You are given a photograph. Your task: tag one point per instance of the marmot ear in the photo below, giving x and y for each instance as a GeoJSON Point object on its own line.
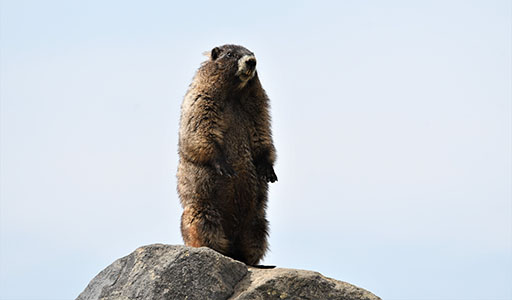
{"type": "Point", "coordinates": [215, 53]}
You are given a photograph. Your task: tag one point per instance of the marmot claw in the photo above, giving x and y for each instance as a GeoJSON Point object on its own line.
{"type": "Point", "coordinates": [271, 175]}
{"type": "Point", "coordinates": [267, 173]}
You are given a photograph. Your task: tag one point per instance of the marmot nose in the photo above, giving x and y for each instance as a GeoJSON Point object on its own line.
{"type": "Point", "coordinates": [251, 63]}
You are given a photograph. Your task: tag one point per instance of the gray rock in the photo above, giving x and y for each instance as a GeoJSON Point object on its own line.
{"type": "Point", "coordinates": [167, 272]}
{"type": "Point", "coordinates": [179, 272]}
{"type": "Point", "coordinates": [295, 284]}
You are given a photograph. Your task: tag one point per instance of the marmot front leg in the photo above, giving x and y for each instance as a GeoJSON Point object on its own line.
{"type": "Point", "coordinates": [264, 151]}
{"type": "Point", "coordinates": [202, 227]}
{"type": "Point", "coordinates": [202, 135]}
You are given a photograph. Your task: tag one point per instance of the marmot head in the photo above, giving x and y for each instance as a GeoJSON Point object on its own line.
{"type": "Point", "coordinates": [234, 62]}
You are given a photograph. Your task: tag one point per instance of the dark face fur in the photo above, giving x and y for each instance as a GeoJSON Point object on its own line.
{"type": "Point", "coordinates": [237, 61]}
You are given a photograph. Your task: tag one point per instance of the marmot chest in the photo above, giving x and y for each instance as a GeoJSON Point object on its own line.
{"type": "Point", "coordinates": [238, 131]}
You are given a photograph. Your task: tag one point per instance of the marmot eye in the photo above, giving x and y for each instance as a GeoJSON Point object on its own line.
{"type": "Point", "coordinates": [229, 54]}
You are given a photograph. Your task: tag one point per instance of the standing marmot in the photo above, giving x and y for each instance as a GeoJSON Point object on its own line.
{"type": "Point", "coordinates": [226, 157]}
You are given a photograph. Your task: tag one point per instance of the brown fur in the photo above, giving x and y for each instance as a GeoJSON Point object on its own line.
{"type": "Point", "coordinates": [226, 157]}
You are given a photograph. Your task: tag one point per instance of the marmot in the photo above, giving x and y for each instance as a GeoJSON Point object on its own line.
{"type": "Point", "coordinates": [226, 157]}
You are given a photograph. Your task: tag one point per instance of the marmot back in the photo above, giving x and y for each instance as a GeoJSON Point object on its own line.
{"type": "Point", "coordinates": [226, 157]}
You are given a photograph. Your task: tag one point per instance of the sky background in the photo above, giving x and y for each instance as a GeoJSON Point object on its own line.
{"type": "Point", "coordinates": [392, 122]}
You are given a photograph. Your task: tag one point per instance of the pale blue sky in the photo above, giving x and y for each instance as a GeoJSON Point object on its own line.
{"type": "Point", "coordinates": [392, 122]}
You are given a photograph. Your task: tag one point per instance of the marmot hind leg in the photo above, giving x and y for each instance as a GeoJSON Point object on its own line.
{"type": "Point", "coordinates": [202, 227]}
{"type": "Point", "coordinates": [253, 242]}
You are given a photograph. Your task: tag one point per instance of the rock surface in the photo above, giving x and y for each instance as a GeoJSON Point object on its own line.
{"type": "Point", "coordinates": [179, 272]}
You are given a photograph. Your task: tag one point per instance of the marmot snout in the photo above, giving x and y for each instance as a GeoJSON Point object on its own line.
{"type": "Point", "coordinates": [246, 67]}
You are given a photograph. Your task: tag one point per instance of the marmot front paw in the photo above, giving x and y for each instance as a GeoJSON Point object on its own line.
{"type": "Point", "coordinates": [266, 171]}
{"type": "Point", "coordinates": [222, 168]}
